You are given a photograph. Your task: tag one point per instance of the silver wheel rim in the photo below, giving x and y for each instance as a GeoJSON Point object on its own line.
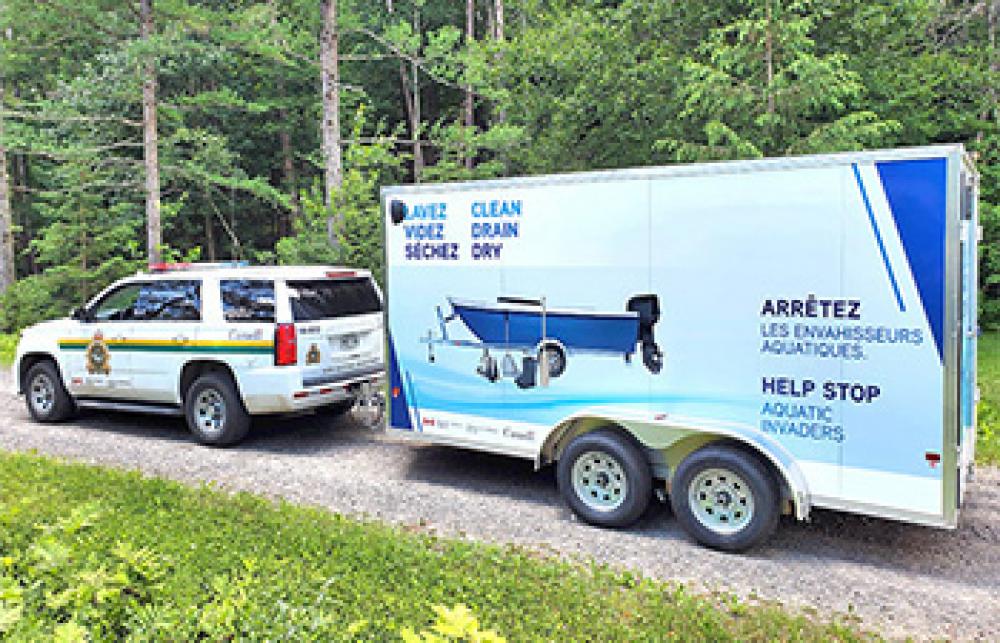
{"type": "Point", "coordinates": [210, 412]}
{"type": "Point", "coordinates": [721, 500]}
{"type": "Point", "coordinates": [43, 394]}
{"type": "Point", "coordinates": [599, 481]}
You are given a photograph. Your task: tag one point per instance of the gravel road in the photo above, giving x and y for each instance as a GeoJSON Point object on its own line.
{"type": "Point", "coordinates": [900, 580]}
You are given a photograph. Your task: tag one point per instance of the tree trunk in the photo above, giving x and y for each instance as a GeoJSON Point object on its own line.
{"type": "Point", "coordinates": [7, 268]}
{"type": "Point", "coordinates": [498, 34]}
{"type": "Point", "coordinates": [499, 20]}
{"type": "Point", "coordinates": [209, 219]}
{"type": "Point", "coordinates": [330, 74]}
{"type": "Point", "coordinates": [470, 36]}
{"type": "Point", "coordinates": [418, 152]}
{"type": "Point", "coordinates": [290, 176]}
{"type": "Point", "coordinates": [769, 60]}
{"type": "Point", "coordinates": [21, 188]}
{"type": "Point", "coordinates": [285, 223]}
{"type": "Point", "coordinates": [154, 235]}
{"type": "Point", "coordinates": [412, 113]}
{"type": "Point", "coordinates": [992, 17]}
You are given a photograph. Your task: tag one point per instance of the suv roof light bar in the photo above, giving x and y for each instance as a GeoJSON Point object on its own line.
{"type": "Point", "coordinates": [177, 267]}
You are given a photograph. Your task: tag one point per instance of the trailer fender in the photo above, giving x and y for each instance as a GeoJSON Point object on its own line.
{"type": "Point", "coordinates": [674, 438]}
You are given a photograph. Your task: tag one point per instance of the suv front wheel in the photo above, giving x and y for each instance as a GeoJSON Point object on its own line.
{"type": "Point", "coordinates": [215, 413]}
{"type": "Point", "coordinates": [47, 398]}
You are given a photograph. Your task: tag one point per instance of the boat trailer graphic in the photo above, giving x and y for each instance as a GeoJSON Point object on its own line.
{"type": "Point", "coordinates": [546, 335]}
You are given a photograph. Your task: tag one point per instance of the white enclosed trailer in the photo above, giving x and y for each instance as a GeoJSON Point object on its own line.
{"type": "Point", "coordinates": [754, 337]}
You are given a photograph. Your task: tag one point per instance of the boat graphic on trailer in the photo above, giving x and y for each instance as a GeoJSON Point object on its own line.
{"type": "Point", "coordinates": [519, 323]}
{"type": "Point", "coordinates": [515, 323]}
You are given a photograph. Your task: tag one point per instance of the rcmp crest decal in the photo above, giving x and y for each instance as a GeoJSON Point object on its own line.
{"type": "Point", "coordinates": [313, 356]}
{"type": "Point", "coordinates": [98, 356]}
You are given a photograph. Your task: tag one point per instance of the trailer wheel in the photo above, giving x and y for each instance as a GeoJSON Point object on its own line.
{"type": "Point", "coordinates": [554, 356]}
{"type": "Point", "coordinates": [605, 479]}
{"type": "Point", "coordinates": [725, 498]}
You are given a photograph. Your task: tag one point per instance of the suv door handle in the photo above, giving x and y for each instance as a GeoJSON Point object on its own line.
{"type": "Point", "coordinates": [180, 339]}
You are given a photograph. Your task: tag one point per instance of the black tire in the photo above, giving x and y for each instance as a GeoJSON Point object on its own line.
{"type": "Point", "coordinates": [726, 505]}
{"type": "Point", "coordinates": [229, 422]}
{"type": "Point", "coordinates": [617, 454]}
{"type": "Point", "coordinates": [557, 359]}
{"type": "Point", "coordinates": [46, 395]}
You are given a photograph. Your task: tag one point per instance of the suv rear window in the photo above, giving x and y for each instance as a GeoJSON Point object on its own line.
{"type": "Point", "coordinates": [247, 300]}
{"type": "Point", "coordinates": [330, 298]}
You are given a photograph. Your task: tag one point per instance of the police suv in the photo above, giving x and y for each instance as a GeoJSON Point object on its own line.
{"type": "Point", "coordinates": [217, 343]}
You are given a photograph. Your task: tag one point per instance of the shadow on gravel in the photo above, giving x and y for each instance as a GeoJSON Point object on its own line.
{"type": "Point", "coordinates": [968, 555]}
{"type": "Point", "coordinates": [515, 478]}
{"type": "Point", "coordinates": [132, 424]}
{"type": "Point", "coordinates": [305, 435]}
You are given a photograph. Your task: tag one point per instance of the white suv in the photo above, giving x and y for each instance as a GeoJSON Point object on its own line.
{"type": "Point", "coordinates": [215, 343]}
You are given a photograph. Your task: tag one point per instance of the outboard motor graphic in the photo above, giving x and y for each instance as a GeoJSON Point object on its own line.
{"type": "Point", "coordinates": [648, 309]}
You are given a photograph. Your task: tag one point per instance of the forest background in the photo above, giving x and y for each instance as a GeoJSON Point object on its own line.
{"type": "Point", "coordinates": [136, 131]}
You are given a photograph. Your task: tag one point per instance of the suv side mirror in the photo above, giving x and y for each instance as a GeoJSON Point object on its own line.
{"type": "Point", "coordinates": [79, 314]}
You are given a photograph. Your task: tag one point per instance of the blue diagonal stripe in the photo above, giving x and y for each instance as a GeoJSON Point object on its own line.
{"type": "Point", "coordinates": [878, 238]}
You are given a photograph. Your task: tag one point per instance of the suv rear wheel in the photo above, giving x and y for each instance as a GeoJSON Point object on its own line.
{"type": "Point", "coordinates": [47, 398]}
{"type": "Point", "coordinates": [214, 411]}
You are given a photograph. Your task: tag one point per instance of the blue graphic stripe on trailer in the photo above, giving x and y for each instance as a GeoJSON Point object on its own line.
{"type": "Point", "coordinates": [399, 410]}
{"type": "Point", "coordinates": [416, 409]}
{"type": "Point", "coordinates": [878, 238]}
{"type": "Point", "coordinates": [917, 194]}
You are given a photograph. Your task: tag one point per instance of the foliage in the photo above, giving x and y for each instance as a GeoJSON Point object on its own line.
{"type": "Point", "coordinates": [456, 624]}
{"type": "Point", "coordinates": [8, 346]}
{"type": "Point", "coordinates": [76, 555]}
{"type": "Point", "coordinates": [354, 218]}
{"type": "Point", "coordinates": [798, 101]}
{"type": "Point", "coordinates": [988, 444]}
{"type": "Point", "coordinates": [569, 86]}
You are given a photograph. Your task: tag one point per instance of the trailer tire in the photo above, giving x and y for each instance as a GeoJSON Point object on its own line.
{"type": "Point", "coordinates": [605, 478]}
{"type": "Point", "coordinates": [214, 411]}
{"type": "Point", "coordinates": [46, 395]}
{"type": "Point", "coordinates": [725, 498]}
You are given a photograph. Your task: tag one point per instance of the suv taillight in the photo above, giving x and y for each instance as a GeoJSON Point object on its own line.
{"type": "Point", "coordinates": [286, 349]}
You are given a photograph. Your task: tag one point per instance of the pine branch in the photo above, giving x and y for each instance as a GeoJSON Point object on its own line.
{"type": "Point", "coordinates": [33, 116]}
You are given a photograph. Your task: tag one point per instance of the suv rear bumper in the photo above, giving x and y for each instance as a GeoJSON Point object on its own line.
{"type": "Point", "coordinates": [281, 390]}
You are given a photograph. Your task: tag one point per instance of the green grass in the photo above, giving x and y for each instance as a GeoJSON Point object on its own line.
{"type": "Point", "coordinates": [8, 344]}
{"type": "Point", "coordinates": [988, 444]}
{"type": "Point", "coordinates": [121, 556]}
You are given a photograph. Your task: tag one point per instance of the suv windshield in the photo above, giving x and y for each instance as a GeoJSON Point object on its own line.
{"type": "Point", "coordinates": [329, 298]}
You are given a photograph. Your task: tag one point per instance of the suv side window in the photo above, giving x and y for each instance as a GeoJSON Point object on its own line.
{"type": "Point", "coordinates": [169, 301]}
{"type": "Point", "coordinates": [117, 305]}
{"type": "Point", "coordinates": [247, 300]}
